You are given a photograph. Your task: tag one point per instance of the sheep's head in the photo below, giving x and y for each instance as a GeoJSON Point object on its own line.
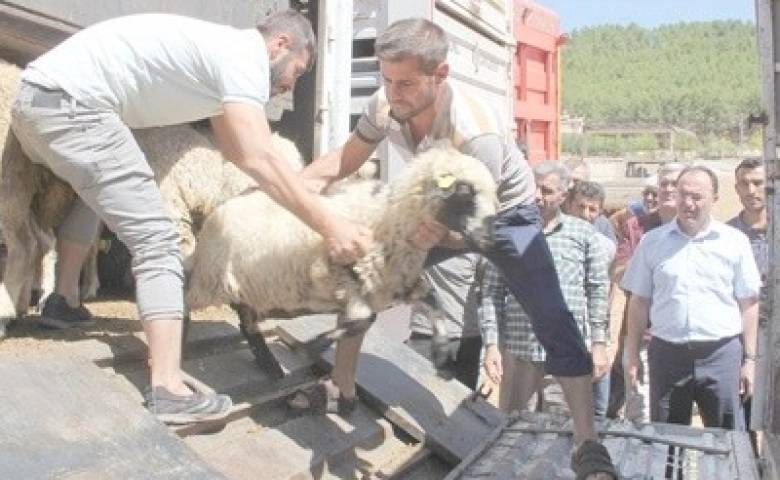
{"type": "Point", "coordinates": [463, 211]}
{"type": "Point", "coordinates": [460, 194]}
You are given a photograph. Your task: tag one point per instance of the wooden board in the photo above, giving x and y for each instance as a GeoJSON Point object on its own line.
{"type": "Point", "coordinates": [406, 388]}
{"type": "Point", "coordinates": [304, 447]}
{"type": "Point", "coordinates": [63, 417]}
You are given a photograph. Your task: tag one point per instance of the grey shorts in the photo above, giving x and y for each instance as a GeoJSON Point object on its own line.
{"type": "Point", "coordinates": [96, 153]}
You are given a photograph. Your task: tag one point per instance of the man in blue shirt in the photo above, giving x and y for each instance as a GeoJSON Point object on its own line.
{"type": "Point", "coordinates": [696, 281]}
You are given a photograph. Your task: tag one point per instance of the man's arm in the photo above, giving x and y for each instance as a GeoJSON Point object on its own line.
{"type": "Point", "coordinates": [492, 305]}
{"type": "Point", "coordinates": [748, 307]}
{"type": "Point", "coordinates": [638, 316]}
{"type": "Point", "coordinates": [338, 163]}
{"type": "Point", "coordinates": [244, 138]}
{"type": "Point", "coordinates": [596, 291]}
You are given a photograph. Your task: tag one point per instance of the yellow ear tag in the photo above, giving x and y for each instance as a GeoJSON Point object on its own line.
{"type": "Point", "coordinates": [445, 181]}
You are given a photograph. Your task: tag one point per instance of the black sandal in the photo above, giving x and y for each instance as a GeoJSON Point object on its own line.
{"type": "Point", "coordinates": [318, 400]}
{"type": "Point", "coordinates": [590, 459]}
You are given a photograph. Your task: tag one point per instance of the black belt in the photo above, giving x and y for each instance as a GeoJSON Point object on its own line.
{"type": "Point", "coordinates": [696, 344]}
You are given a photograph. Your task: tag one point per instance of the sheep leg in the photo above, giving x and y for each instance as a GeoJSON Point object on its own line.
{"type": "Point", "coordinates": [23, 248]}
{"type": "Point", "coordinates": [264, 358]}
{"type": "Point", "coordinates": [430, 305]}
{"type": "Point", "coordinates": [90, 280]}
{"type": "Point", "coordinates": [427, 300]}
{"type": "Point", "coordinates": [47, 275]}
{"type": "Point", "coordinates": [344, 329]}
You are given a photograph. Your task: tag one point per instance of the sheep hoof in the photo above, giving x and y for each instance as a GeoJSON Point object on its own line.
{"type": "Point", "coordinates": [440, 350]}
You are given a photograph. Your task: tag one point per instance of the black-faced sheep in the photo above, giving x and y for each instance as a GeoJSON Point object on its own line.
{"type": "Point", "coordinates": [193, 177]}
{"type": "Point", "coordinates": [253, 254]}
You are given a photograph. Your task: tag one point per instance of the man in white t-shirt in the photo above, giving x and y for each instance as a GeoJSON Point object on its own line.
{"type": "Point", "coordinates": [74, 112]}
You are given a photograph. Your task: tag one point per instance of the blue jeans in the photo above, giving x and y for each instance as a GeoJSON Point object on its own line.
{"type": "Point", "coordinates": [601, 397]}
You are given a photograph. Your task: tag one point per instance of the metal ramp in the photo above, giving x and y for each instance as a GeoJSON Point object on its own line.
{"type": "Point", "coordinates": [535, 446]}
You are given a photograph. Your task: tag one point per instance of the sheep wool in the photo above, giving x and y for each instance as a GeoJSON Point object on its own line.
{"type": "Point", "coordinates": [251, 252]}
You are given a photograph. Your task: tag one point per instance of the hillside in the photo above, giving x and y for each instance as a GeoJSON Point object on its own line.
{"type": "Point", "coordinates": [700, 76]}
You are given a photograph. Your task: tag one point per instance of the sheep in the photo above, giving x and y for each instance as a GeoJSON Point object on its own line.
{"type": "Point", "coordinates": [193, 177]}
{"type": "Point", "coordinates": [256, 256]}
{"type": "Point", "coordinates": [26, 235]}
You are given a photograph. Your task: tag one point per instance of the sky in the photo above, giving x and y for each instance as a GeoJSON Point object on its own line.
{"type": "Point", "coordinates": [646, 13]}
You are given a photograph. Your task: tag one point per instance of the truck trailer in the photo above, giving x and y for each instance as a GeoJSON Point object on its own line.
{"type": "Point", "coordinates": [510, 51]}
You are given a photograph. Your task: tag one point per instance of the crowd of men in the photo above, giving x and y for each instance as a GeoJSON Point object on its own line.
{"type": "Point", "coordinates": [691, 287]}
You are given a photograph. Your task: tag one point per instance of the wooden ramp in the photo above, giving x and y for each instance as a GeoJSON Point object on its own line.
{"type": "Point", "coordinates": [76, 412]}
{"type": "Point", "coordinates": [63, 417]}
{"type": "Point", "coordinates": [406, 389]}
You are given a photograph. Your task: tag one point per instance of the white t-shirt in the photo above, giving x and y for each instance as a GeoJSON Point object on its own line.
{"type": "Point", "coordinates": [158, 69]}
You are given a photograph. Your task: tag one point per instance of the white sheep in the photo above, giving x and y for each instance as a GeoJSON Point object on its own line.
{"type": "Point", "coordinates": [27, 234]}
{"type": "Point", "coordinates": [253, 254]}
{"type": "Point", "coordinates": [193, 178]}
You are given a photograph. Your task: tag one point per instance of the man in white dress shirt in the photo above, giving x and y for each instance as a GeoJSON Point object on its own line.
{"type": "Point", "coordinates": [696, 282]}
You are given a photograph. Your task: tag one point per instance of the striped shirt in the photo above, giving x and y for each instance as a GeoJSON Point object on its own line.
{"type": "Point", "coordinates": [464, 122]}
{"type": "Point", "coordinates": [581, 264]}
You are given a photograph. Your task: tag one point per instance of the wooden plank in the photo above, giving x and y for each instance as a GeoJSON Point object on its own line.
{"type": "Point", "coordinates": [402, 462]}
{"type": "Point", "coordinates": [405, 387]}
{"type": "Point", "coordinates": [305, 447]}
{"type": "Point", "coordinates": [61, 416]}
{"type": "Point", "coordinates": [232, 372]}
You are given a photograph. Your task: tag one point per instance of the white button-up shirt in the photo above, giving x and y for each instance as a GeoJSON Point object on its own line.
{"type": "Point", "coordinates": [693, 283]}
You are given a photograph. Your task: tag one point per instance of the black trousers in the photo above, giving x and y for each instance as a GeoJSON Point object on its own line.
{"type": "Point", "coordinates": [707, 373]}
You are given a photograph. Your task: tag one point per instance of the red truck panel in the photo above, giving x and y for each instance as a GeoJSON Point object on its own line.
{"type": "Point", "coordinates": [536, 79]}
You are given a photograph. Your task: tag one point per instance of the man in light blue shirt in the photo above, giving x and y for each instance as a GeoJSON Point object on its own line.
{"type": "Point", "coordinates": [694, 280]}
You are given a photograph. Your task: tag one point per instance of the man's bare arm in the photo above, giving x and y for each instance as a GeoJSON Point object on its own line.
{"type": "Point", "coordinates": [638, 317]}
{"type": "Point", "coordinates": [748, 307]}
{"type": "Point", "coordinates": [244, 138]}
{"type": "Point", "coordinates": [338, 163]}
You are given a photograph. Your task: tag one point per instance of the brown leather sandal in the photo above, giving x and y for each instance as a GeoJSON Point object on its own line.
{"type": "Point", "coordinates": [590, 459]}
{"type": "Point", "coordinates": [320, 399]}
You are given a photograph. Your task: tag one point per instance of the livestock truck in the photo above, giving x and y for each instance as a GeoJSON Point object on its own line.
{"type": "Point", "coordinates": [508, 50]}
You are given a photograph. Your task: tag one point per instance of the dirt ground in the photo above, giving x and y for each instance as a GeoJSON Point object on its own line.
{"type": "Point", "coordinates": [114, 317]}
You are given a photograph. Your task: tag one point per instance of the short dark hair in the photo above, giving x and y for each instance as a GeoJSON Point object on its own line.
{"type": "Point", "coordinates": [750, 163]}
{"type": "Point", "coordinates": [701, 169]}
{"type": "Point", "coordinates": [588, 189]}
{"type": "Point", "coordinates": [413, 38]}
{"type": "Point", "coordinates": [297, 26]}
